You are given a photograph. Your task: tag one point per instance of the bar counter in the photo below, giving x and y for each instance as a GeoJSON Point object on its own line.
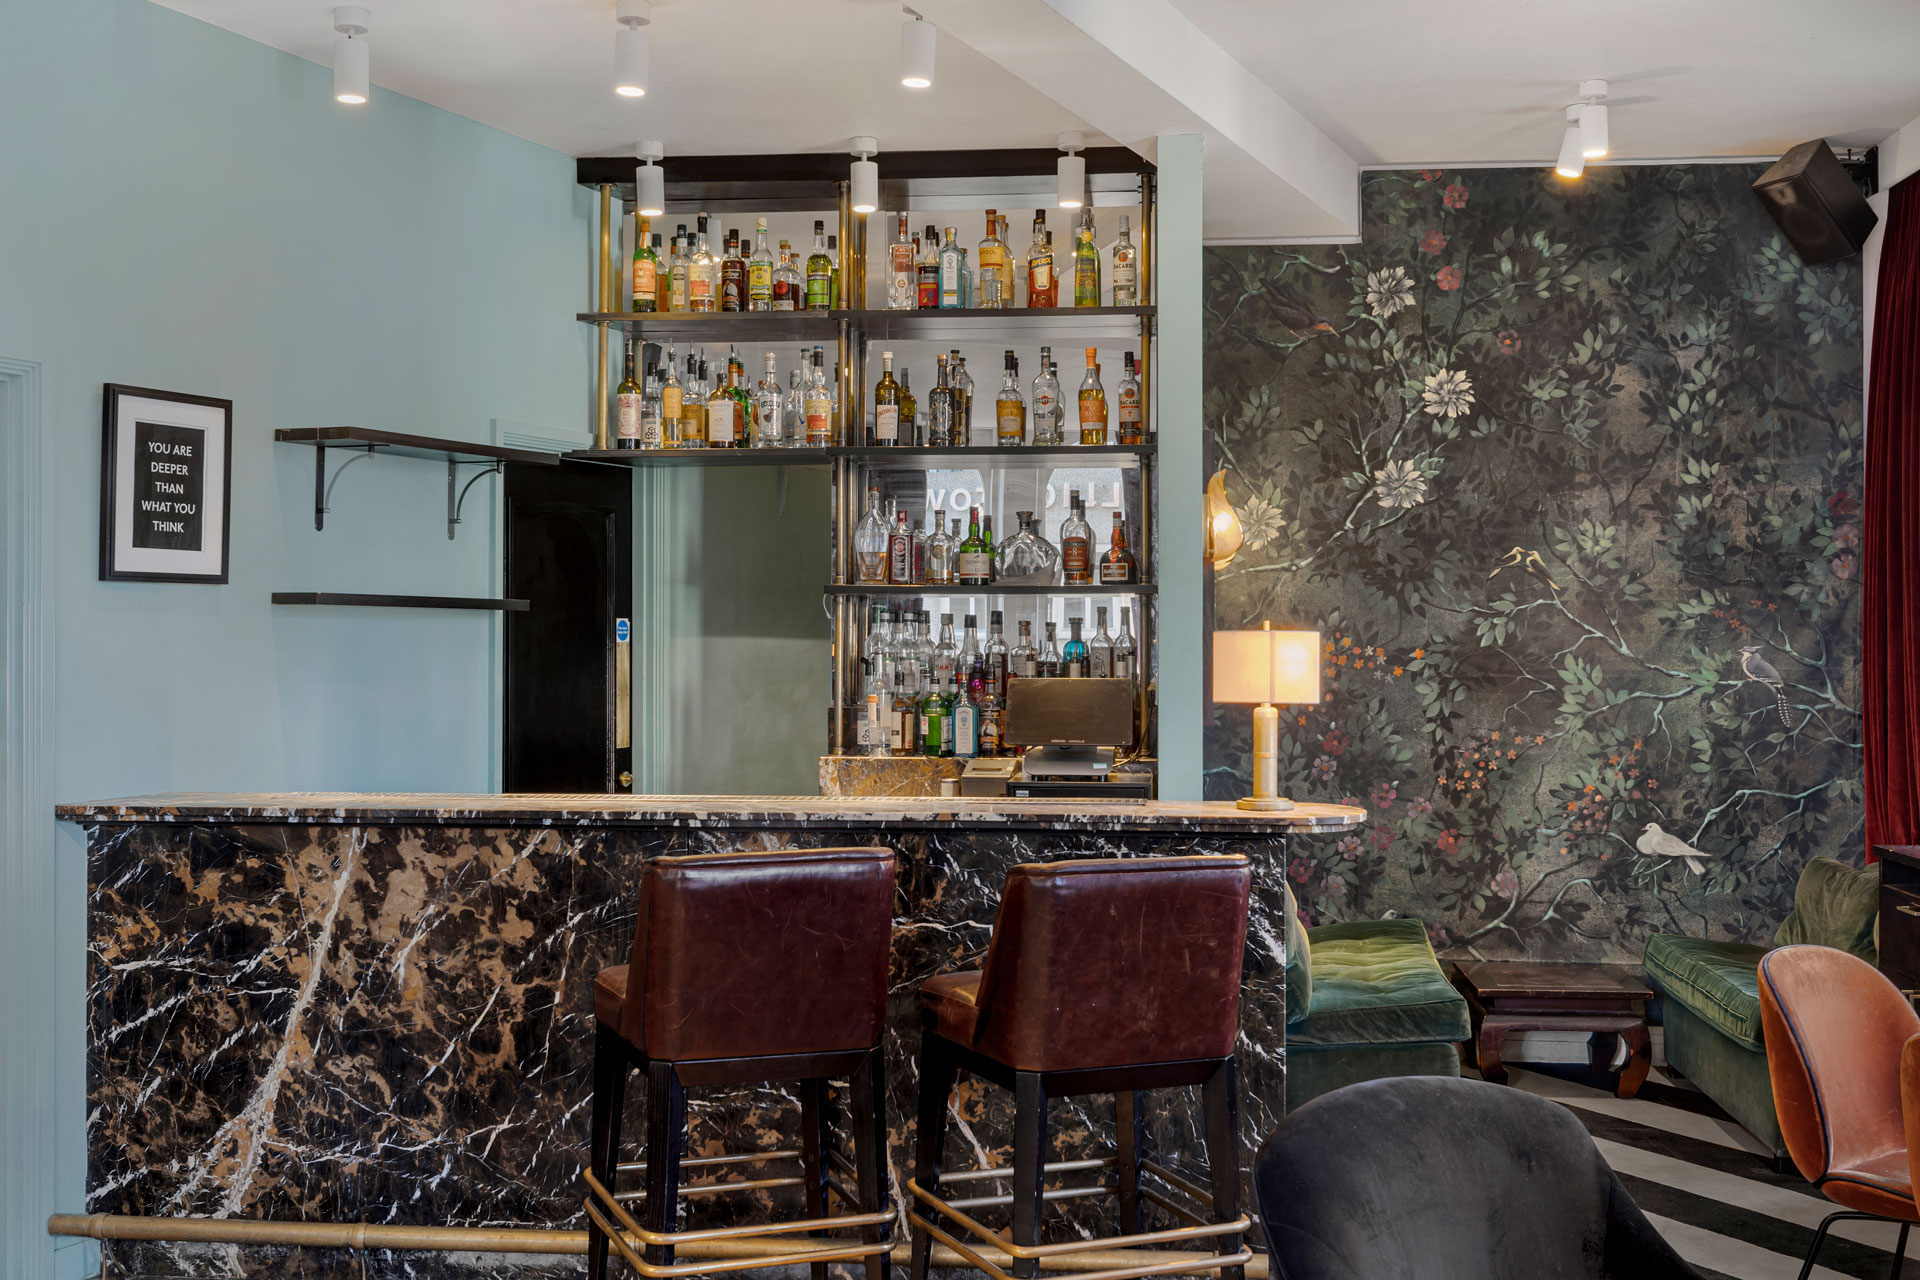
{"type": "Point", "coordinates": [376, 1008]}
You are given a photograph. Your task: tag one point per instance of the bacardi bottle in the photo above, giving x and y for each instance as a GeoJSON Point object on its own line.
{"type": "Point", "coordinates": [1132, 421]}
{"type": "Point", "coordinates": [1046, 403]}
{"type": "Point", "coordinates": [1126, 269]}
{"type": "Point", "coordinates": [767, 432]}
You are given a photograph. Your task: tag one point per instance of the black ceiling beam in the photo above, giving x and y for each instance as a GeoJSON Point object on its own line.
{"type": "Point", "coordinates": [592, 171]}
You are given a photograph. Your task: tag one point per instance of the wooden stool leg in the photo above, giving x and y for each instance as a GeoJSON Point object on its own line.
{"type": "Point", "coordinates": [1220, 1098]}
{"type": "Point", "coordinates": [937, 1072]}
{"type": "Point", "coordinates": [870, 1152]}
{"type": "Point", "coordinates": [816, 1140]}
{"type": "Point", "coordinates": [610, 1069]}
{"type": "Point", "coordinates": [1029, 1163]}
{"type": "Point", "coordinates": [1130, 1124]}
{"type": "Point", "coordinates": [666, 1143]}
{"type": "Point", "coordinates": [1639, 1044]}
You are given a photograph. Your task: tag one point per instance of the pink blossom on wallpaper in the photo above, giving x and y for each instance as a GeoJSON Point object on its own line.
{"type": "Point", "coordinates": [1335, 742]}
{"type": "Point", "coordinates": [1455, 197]}
{"type": "Point", "coordinates": [1507, 341]}
{"type": "Point", "coordinates": [1505, 883]}
{"type": "Point", "coordinates": [1448, 842]}
{"type": "Point", "coordinates": [1419, 806]}
{"type": "Point", "coordinates": [1447, 278]}
{"type": "Point", "coordinates": [1847, 536]}
{"type": "Point", "coordinates": [1844, 566]}
{"type": "Point", "coordinates": [1433, 242]}
{"type": "Point", "coordinates": [1382, 796]}
{"type": "Point", "coordinates": [1430, 175]}
{"type": "Point", "coordinates": [1383, 836]}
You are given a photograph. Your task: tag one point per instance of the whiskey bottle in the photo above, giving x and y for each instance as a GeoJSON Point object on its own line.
{"type": "Point", "coordinates": [1131, 426]}
{"type": "Point", "coordinates": [870, 545]}
{"type": "Point", "coordinates": [900, 552]}
{"type": "Point", "coordinates": [901, 282]}
{"type": "Point", "coordinates": [1086, 264]}
{"type": "Point", "coordinates": [973, 566]}
{"type": "Point", "coordinates": [819, 271]}
{"type": "Point", "coordinates": [703, 273]}
{"type": "Point", "coordinates": [626, 398]}
{"type": "Point", "coordinates": [1100, 648]}
{"type": "Point", "coordinates": [766, 408]}
{"type": "Point", "coordinates": [1124, 666]}
{"type": "Point", "coordinates": [996, 657]}
{"type": "Point", "coordinates": [1046, 403]}
{"type": "Point", "coordinates": [671, 410]}
{"type": "Point", "coordinates": [1041, 281]}
{"type": "Point", "coordinates": [962, 383]}
{"type": "Point", "coordinates": [733, 275]}
{"type": "Point", "coordinates": [1118, 567]}
{"type": "Point", "coordinates": [927, 271]}
{"type": "Point", "coordinates": [677, 268]}
{"type": "Point", "coordinates": [788, 284]}
{"type": "Point", "coordinates": [1048, 664]}
{"type": "Point", "coordinates": [952, 272]}
{"type": "Point", "coordinates": [1074, 660]}
{"type": "Point", "coordinates": [646, 269]}
{"type": "Point", "coordinates": [886, 404]}
{"type": "Point", "coordinates": [940, 410]}
{"type": "Point", "coordinates": [1126, 269]}
{"type": "Point", "coordinates": [905, 716]}
{"type": "Point", "coordinates": [1010, 411]}
{"type": "Point", "coordinates": [1076, 544]}
{"type": "Point", "coordinates": [941, 549]}
{"type": "Point", "coordinates": [819, 405]}
{"type": "Point", "coordinates": [966, 723]}
{"type": "Point", "coordinates": [760, 270]}
{"type": "Point", "coordinates": [1093, 403]}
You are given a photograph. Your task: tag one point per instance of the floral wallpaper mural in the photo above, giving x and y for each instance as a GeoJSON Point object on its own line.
{"type": "Point", "coordinates": [1568, 478]}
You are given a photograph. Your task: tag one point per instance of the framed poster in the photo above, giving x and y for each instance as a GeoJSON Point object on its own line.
{"type": "Point", "coordinates": [166, 475]}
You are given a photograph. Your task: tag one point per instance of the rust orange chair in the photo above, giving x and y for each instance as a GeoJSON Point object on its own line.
{"type": "Point", "coordinates": [1837, 1036]}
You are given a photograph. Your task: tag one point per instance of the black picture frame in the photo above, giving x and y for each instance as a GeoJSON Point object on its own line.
{"type": "Point", "coordinates": [118, 433]}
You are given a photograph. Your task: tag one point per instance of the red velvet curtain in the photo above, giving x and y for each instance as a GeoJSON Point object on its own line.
{"type": "Point", "coordinates": [1890, 640]}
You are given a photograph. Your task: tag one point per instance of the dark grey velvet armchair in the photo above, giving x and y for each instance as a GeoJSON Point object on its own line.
{"type": "Point", "coordinates": [1426, 1178]}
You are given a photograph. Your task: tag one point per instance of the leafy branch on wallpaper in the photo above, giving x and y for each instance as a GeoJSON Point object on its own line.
{"type": "Point", "coordinates": [1567, 477]}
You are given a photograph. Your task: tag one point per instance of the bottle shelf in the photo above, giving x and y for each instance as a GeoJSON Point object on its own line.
{"type": "Point", "coordinates": [723, 326]}
{"type": "Point", "coordinates": [997, 589]}
{"type": "Point", "coordinates": [1060, 325]}
{"type": "Point", "coordinates": [762, 457]}
{"type": "Point", "coordinates": [504, 605]}
{"type": "Point", "coordinates": [437, 448]}
{"type": "Point", "coordinates": [961, 456]}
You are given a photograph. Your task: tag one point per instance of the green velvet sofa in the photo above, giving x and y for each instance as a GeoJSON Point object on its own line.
{"type": "Point", "coordinates": [1710, 991]}
{"type": "Point", "coordinates": [1366, 1000]}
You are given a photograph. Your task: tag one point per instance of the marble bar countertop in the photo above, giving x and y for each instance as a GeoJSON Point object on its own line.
{"type": "Point", "coordinates": [358, 808]}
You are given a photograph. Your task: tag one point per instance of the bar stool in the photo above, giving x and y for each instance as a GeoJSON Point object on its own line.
{"type": "Point", "coordinates": [747, 968]}
{"type": "Point", "coordinates": [1101, 977]}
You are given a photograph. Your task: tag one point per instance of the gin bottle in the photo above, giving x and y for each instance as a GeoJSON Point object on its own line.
{"type": "Point", "coordinates": [952, 270]}
{"type": "Point", "coordinates": [966, 724]}
{"type": "Point", "coordinates": [870, 544]}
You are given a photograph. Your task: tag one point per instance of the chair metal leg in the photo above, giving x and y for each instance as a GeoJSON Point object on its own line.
{"type": "Point", "coordinates": [1826, 1223]}
{"type": "Point", "coordinates": [666, 1144]}
{"type": "Point", "coordinates": [1899, 1253]}
{"type": "Point", "coordinates": [1220, 1098]}
{"type": "Point", "coordinates": [869, 1125]}
{"type": "Point", "coordinates": [816, 1139]}
{"type": "Point", "coordinates": [937, 1073]}
{"type": "Point", "coordinates": [1130, 1125]}
{"type": "Point", "coordinates": [1029, 1163]}
{"type": "Point", "coordinates": [610, 1068]}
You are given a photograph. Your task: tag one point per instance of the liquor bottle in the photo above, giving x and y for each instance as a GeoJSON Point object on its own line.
{"type": "Point", "coordinates": [996, 656]}
{"type": "Point", "coordinates": [886, 404]}
{"type": "Point", "coordinates": [651, 431]}
{"type": "Point", "coordinates": [1118, 566]}
{"type": "Point", "coordinates": [973, 566]}
{"type": "Point", "coordinates": [767, 432]}
{"type": "Point", "coordinates": [870, 545]}
{"type": "Point", "coordinates": [876, 711]}
{"type": "Point", "coordinates": [901, 282]}
{"type": "Point", "coordinates": [1093, 403]}
{"type": "Point", "coordinates": [833, 270]}
{"type": "Point", "coordinates": [941, 550]}
{"type": "Point", "coordinates": [1046, 403]}
{"type": "Point", "coordinates": [905, 716]}
{"type": "Point", "coordinates": [900, 552]}
{"type": "Point", "coordinates": [703, 273]}
{"type": "Point", "coordinates": [1025, 659]}
{"type": "Point", "coordinates": [1010, 411]}
{"type": "Point", "coordinates": [952, 266]}
{"type": "Point", "coordinates": [962, 383]}
{"type": "Point", "coordinates": [1048, 664]}
{"type": "Point", "coordinates": [879, 643]}
{"type": "Point", "coordinates": [920, 543]}
{"type": "Point", "coordinates": [819, 406]}
{"type": "Point", "coordinates": [1126, 269]}
{"type": "Point", "coordinates": [994, 264]}
{"type": "Point", "coordinates": [677, 268]}
{"type": "Point", "coordinates": [724, 423]}
{"type": "Point", "coordinates": [1124, 667]}
{"type": "Point", "coordinates": [1086, 265]}
{"type": "Point", "coordinates": [626, 399]}
{"type": "Point", "coordinates": [671, 410]}
{"type": "Point", "coordinates": [936, 731]}
{"type": "Point", "coordinates": [940, 410]}
{"type": "Point", "coordinates": [793, 411]}
{"type": "Point", "coordinates": [1100, 648]}
{"type": "Point", "coordinates": [1074, 660]}
{"type": "Point", "coordinates": [966, 723]}
{"type": "Point", "coordinates": [972, 657]}
{"type": "Point", "coordinates": [646, 269]}
{"type": "Point", "coordinates": [834, 433]}
{"type": "Point", "coordinates": [1131, 426]}
{"type": "Point", "coordinates": [693, 405]}
{"type": "Point", "coordinates": [1076, 544]}
{"type": "Point", "coordinates": [788, 286]}
{"type": "Point", "coordinates": [945, 653]}
{"type": "Point", "coordinates": [927, 271]}
{"type": "Point", "coordinates": [819, 271]}
{"type": "Point", "coordinates": [733, 274]}
{"type": "Point", "coordinates": [1059, 404]}
{"type": "Point", "coordinates": [910, 433]}
{"type": "Point", "coordinates": [992, 724]}
{"type": "Point", "coordinates": [760, 270]}
{"type": "Point", "coordinates": [1042, 284]}
{"type": "Point", "coordinates": [986, 540]}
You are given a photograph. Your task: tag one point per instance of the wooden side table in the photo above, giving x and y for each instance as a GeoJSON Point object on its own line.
{"type": "Point", "coordinates": [1516, 995]}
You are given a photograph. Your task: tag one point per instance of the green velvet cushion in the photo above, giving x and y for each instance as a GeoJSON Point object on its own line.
{"type": "Point", "coordinates": [1299, 964]}
{"type": "Point", "coordinates": [1719, 981]}
{"type": "Point", "coordinates": [1734, 1075]}
{"type": "Point", "coordinates": [1376, 982]}
{"type": "Point", "coordinates": [1314, 1071]}
{"type": "Point", "coordinates": [1834, 906]}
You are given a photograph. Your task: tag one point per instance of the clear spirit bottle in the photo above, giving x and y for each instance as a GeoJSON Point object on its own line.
{"type": "Point", "coordinates": [678, 266]}
{"type": "Point", "coordinates": [1010, 410]}
{"type": "Point", "coordinates": [941, 549]}
{"type": "Point", "coordinates": [766, 407]}
{"type": "Point", "coordinates": [996, 657]}
{"type": "Point", "coordinates": [940, 410]}
{"type": "Point", "coordinates": [793, 410]}
{"type": "Point", "coordinates": [819, 271]}
{"type": "Point", "coordinates": [870, 545]}
{"type": "Point", "coordinates": [886, 404]}
{"type": "Point", "coordinates": [646, 269]}
{"type": "Point", "coordinates": [962, 383]}
{"type": "Point", "coordinates": [788, 284]}
{"type": "Point", "coordinates": [1027, 558]}
{"type": "Point", "coordinates": [945, 654]}
{"type": "Point", "coordinates": [953, 262]}
{"type": "Point", "coordinates": [760, 270]}
{"type": "Point", "coordinates": [970, 652]}
{"type": "Point", "coordinates": [986, 541]}
{"type": "Point", "coordinates": [1118, 567]}
{"type": "Point", "coordinates": [920, 543]}
{"type": "Point", "coordinates": [901, 281]}
{"type": "Point", "coordinates": [819, 405]}
{"type": "Point", "coordinates": [627, 399]}
{"type": "Point", "coordinates": [1126, 268]}
{"type": "Point", "coordinates": [875, 736]}
{"type": "Point", "coordinates": [1076, 544]}
{"type": "Point", "coordinates": [1131, 426]}
{"type": "Point", "coordinates": [1100, 648]}
{"type": "Point", "coordinates": [1074, 660]}
{"type": "Point", "coordinates": [966, 724]}
{"type": "Point", "coordinates": [650, 406]}
{"type": "Point", "coordinates": [1124, 665]}
{"type": "Point", "coordinates": [1049, 662]}
{"type": "Point", "coordinates": [1042, 284]}
{"type": "Point", "coordinates": [927, 271]}
{"type": "Point", "coordinates": [1093, 402]}
{"type": "Point", "coordinates": [1046, 403]}
{"type": "Point", "coordinates": [1025, 659]}
{"type": "Point", "coordinates": [1086, 264]}
{"type": "Point", "coordinates": [703, 273]}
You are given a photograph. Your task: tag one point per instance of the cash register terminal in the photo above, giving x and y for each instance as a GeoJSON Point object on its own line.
{"type": "Point", "coordinates": [1073, 731]}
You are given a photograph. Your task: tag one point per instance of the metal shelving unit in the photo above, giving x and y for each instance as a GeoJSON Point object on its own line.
{"type": "Point", "coordinates": [956, 590]}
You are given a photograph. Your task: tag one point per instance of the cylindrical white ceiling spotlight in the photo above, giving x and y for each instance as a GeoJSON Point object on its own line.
{"type": "Point", "coordinates": [863, 176]}
{"type": "Point", "coordinates": [917, 39]}
{"type": "Point", "coordinates": [1071, 170]}
{"type": "Point", "coordinates": [1571, 163]}
{"type": "Point", "coordinates": [631, 47]}
{"type": "Point", "coordinates": [650, 182]}
{"type": "Point", "coordinates": [1593, 119]}
{"type": "Point", "coordinates": [352, 56]}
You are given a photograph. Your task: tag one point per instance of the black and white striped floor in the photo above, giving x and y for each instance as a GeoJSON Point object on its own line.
{"type": "Point", "coordinates": [1698, 1176]}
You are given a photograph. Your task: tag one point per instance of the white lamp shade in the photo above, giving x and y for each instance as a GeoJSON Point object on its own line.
{"type": "Point", "coordinates": [1571, 163]}
{"type": "Point", "coordinates": [352, 69]}
{"type": "Point", "coordinates": [864, 184]}
{"type": "Point", "coordinates": [1073, 181]}
{"type": "Point", "coordinates": [650, 190]}
{"type": "Point", "coordinates": [631, 48]}
{"type": "Point", "coordinates": [1266, 666]}
{"type": "Point", "coordinates": [917, 40]}
{"type": "Point", "coordinates": [1593, 130]}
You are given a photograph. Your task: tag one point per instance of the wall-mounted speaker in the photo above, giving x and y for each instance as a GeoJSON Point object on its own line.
{"type": "Point", "coordinates": [1816, 203]}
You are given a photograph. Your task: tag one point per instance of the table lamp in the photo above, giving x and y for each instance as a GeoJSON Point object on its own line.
{"type": "Point", "coordinates": [1265, 667]}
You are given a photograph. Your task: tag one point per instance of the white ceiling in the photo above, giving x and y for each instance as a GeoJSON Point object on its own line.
{"type": "Point", "coordinates": [1401, 82]}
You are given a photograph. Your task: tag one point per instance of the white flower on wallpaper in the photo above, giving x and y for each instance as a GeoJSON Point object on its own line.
{"type": "Point", "coordinates": [1260, 522]}
{"type": "Point", "coordinates": [1400, 484]}
{"type": "Point", "coordinates": [1448, 393]}
{"type": "Point", "coordinates": [1389, 290]}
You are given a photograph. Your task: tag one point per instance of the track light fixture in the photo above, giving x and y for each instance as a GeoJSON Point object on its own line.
{"type": "Point", "coordinates": [1572, 162]}
{"type": "Point", "coordinates": [352, 56]}
{"type": "Point", "coordinates": [1072, 171]}
{"type": "Point", "coordinates": [631, 47]}
{"type": "Point", "coordinates": [650, 182]}
{"type": "Point", "coordinates": [1593, 119]}
{"type": "Point", "coordinates": [864, 175]}
{"type": "Point", "coordinates": [917, 38]}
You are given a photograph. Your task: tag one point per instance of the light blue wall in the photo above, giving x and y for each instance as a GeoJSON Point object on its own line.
{"type": "Point", "coordinates": [1177, 396]}
{"type": "Point", "coordinates": [184, 209]}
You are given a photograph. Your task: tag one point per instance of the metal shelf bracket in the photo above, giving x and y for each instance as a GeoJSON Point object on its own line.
{"type": "Point", "coordinates": [454, 504]}
{"type": "Point", "coordinates": [323, 488]}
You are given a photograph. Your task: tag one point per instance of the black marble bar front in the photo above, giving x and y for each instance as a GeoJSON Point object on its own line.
{"type": "Point", "coordinates": [376, 1008]}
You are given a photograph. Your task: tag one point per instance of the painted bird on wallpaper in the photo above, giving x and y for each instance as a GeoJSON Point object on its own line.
{"type": "Point", "coordinates": [1294, 311]}
{"type": "Point", "coordinates": [1759, 671]}
{"type": "Point", "coordinates": [1660, 844]}
{"type": "Point", "coordinates": [1521, 558]}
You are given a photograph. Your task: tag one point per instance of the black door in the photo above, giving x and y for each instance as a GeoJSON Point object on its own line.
{"type": "Point", "coordinates": [570, 556]}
